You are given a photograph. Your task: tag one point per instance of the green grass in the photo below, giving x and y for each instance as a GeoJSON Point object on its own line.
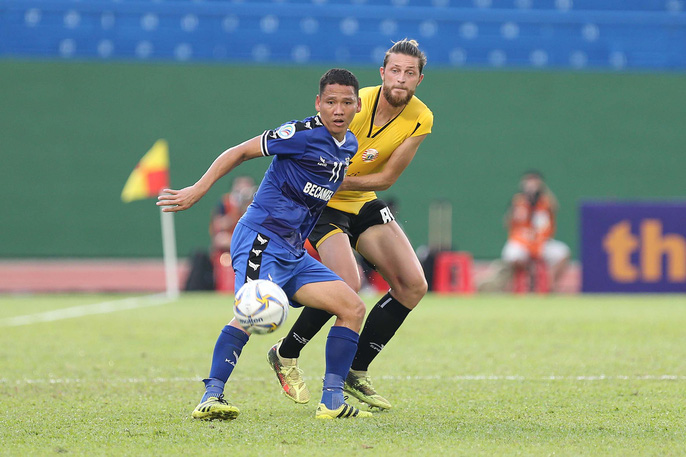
{"type": "Point", "coordinates": [487, 375]}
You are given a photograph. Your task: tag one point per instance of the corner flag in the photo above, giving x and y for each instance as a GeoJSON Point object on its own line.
{"type": "Point", "coordinates": [147, 180]}
{"type": "Point", "coordinates": [150, 176]}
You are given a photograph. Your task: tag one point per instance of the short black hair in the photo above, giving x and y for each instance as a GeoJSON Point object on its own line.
{"type": "Point", "coordinates": [339, 76]}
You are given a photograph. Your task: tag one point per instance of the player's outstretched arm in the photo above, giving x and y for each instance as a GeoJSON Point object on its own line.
{"type": "Point", "coordinates": [399, 160]}
{"type": "Point", "coordinates": [179, 200]}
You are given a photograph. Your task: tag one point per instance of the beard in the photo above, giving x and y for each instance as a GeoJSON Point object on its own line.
{"type": "Point", "coordinates": [397, 101]}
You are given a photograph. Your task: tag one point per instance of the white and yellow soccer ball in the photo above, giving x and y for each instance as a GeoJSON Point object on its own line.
{"type": "Point", "coordinates": [260, 306]}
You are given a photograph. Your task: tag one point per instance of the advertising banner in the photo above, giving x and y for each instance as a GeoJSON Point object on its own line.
{"type": "Point", "coordinates": [633, 246]}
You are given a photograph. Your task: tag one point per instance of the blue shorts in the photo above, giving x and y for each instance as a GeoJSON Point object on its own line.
{"type": "Point", "coordinates": [256, 256]}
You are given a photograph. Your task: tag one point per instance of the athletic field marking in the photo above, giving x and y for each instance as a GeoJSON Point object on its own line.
{"type": "Point", "coordinates": [86, 310]}
{"type": "Point", "coordinates": [241, 379]}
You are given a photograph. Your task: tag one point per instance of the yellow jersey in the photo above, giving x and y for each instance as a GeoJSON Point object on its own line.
{"type": "Point", "coordinates": [376, 144]}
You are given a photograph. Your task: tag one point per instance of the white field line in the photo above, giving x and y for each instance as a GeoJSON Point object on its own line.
{"type": "Point", "coordinates": [86, 310]}
{"type": "Point", "coordinates": [458, 378]}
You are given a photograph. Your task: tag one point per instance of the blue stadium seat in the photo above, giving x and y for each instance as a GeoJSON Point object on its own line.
{"type": "Point", "coordinates": [576, 34]}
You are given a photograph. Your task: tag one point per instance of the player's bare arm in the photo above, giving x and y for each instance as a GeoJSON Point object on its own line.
{"type": "Point", "coordinates": [179, 200]}
{"type": "Point", "coordinates": [399, 160]}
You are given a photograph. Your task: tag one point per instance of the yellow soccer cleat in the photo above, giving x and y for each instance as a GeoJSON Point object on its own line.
{"type": "Point", "coordinates": [359, 385]}
{"type": "Point", "coordinates": [342, 412]}
{"type": "Point", "coordinates": [289, 375]}
{"type": "Point", "coordinates": [215, 408]}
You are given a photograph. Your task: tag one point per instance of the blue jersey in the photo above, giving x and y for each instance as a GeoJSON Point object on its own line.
{"type": "Point", "coordinates": [308, 167]}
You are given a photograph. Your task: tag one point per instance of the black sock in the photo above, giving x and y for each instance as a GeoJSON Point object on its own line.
{"type": "Point", "coordinates": [384, 319]}
{"type": "Point", "coordinates": [309, 322]}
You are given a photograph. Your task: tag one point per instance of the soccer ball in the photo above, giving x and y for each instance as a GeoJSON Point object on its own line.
{"type": "Point", "coordinates": [260, 306]}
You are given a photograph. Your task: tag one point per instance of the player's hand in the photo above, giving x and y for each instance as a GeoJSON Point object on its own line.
{"type": "Point", "coordinates": [178, 200]}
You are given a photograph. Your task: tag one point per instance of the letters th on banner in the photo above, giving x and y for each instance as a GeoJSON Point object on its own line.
{"type": "Point", "coordinates": [633, 246]}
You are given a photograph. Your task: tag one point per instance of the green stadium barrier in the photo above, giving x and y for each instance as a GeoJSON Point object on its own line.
{"type": "Point", "coordinates": [72, 133]}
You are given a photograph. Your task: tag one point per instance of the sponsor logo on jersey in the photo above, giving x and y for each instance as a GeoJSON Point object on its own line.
{"type": "Point", "coordinates": [319, 192]}
{"type": "Point", "coordinates": [370, 155]}
{"type": "Point", "coordinates": [286, 131]}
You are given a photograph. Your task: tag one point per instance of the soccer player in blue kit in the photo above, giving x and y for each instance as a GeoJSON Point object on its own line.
{"type": "Point", "coordinates": [310, 161]}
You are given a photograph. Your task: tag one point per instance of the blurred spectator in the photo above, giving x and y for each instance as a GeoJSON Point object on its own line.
{"type": "Point", "coordinates": [214, 271]}
{"type": "Point", "coordinates": [227, 212]}
{"type": "Point", "coordinates": [530, 221]}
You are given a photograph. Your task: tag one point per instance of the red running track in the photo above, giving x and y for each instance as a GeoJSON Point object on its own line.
{"type": "Point", "coordinates": [77, 275]}
{"type": "Point", "coordinates": [132, 275]}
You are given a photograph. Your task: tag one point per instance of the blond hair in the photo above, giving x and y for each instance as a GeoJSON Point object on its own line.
{"type": "Point", "coordinates": [408, 48]}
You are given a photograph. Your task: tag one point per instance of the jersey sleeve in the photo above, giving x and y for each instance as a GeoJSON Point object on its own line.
{"type": "Point", "coordinates": [288, 139]}
{"type": "Point", "coordinates": [424, 123]}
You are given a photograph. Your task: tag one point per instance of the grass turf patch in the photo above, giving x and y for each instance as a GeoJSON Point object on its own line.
{"type": "Point", "coordinates": [486, 375]}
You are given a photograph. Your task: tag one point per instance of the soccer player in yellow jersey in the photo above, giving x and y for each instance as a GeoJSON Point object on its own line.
{"type": "Point", "coordinates": [389, 128]}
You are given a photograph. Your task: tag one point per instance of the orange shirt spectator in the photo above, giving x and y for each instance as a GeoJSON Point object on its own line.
{"type": "Point", "coordinates": [530, 222]}
{"type": "Point", "coordinates": [228, 211]}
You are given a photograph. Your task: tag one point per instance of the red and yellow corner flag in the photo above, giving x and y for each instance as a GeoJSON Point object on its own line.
{"type": "Point", "coordinates": [150, 176]}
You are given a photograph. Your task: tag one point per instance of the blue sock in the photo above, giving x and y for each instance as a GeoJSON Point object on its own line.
{"type": "Point", "coordinates": [229, 346]}
{"type": "Point", "coordinates": [341, 346]}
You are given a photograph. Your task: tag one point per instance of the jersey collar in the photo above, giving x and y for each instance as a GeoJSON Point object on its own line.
{"type": "Point", "coordinates": [371, 122]}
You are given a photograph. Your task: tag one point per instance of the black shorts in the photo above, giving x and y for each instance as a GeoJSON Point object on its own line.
{"type": "Point", "coordinates": [372, 213]}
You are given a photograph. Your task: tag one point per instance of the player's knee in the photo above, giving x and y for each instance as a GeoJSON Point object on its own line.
{"type": "Point", "coordinates": [417, 289]}
{"type": "Point", "coordinates": [410, 290]}
{"type": "Point", "coordinates": [359, 310]}
{"type": "Point", "coordinates": [422, 287]}
{"type": "Point", "coordinates": [353, 310]}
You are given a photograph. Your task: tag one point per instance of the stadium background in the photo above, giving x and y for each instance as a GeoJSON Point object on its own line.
{"type": "Point", "coordinates": [591, 93]}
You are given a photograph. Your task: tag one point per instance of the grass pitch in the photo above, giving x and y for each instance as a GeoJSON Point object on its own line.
{"type": "Point", "coordinates": [486, 375]}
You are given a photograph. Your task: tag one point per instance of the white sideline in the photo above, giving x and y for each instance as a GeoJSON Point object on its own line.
{"type": "Point", "coordinates": [240, 379]}
{"type": "Point", "coordinates": [87, 310]}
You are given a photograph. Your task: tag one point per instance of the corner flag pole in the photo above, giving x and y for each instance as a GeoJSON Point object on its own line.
{"type": "Point", "coordinates": [169, 251]}
{"type": "Point", "coordinates": [150, 177]}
